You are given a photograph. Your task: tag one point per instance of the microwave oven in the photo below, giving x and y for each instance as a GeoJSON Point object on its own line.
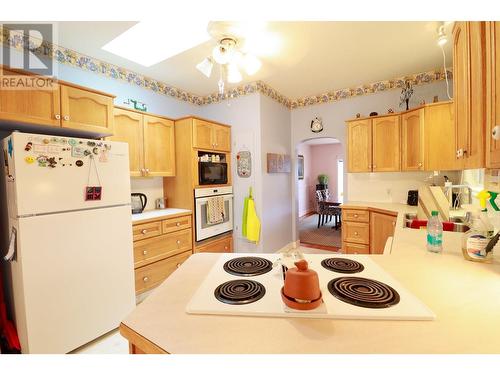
{"type": "Point", "coordinates": [212, 173]}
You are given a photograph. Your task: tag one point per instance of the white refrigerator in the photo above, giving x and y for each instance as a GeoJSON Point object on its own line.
{"type": "Point", "coordinates": [70, 252]}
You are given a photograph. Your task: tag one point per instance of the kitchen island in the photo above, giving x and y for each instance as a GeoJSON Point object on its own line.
{"type": "Point", "coordinates": [463, 295]}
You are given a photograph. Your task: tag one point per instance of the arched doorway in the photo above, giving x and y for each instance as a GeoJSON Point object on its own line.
{"type": "Point", "coordinates": [319, 189]}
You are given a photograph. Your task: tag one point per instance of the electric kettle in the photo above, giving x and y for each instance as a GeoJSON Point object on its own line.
{"type": "Point", "coordinates": [138, 202]}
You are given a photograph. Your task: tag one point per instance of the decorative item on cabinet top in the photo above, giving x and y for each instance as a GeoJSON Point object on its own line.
{"type": "Point", "coordinates": [316, 125]}
{"type": "Point", "coordinates": [138, 105]}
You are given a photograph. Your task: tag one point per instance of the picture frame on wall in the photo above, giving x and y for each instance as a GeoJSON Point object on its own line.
{"type": "Point", "coordinates": [300, 166]}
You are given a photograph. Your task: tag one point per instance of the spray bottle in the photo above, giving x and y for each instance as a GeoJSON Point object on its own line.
{"type": "Point", "coordinates": [475, 240]}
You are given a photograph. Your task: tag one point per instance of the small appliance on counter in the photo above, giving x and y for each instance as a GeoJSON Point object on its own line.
{"type": "Point", "coordinates": [139, 202]}
{"type": "Point", "coordinates": [161, 203]}
{"type": "Point", "coordinates": [412, 198]}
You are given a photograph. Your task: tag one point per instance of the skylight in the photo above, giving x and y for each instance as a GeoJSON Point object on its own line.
{"type": "Point", "coordinates": [148, 43]}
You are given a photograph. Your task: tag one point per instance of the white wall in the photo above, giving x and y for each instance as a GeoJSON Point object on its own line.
{"type": "Point", "coordinates": [276, 187]}
{"type": "Point", "coordinates": [305, 187]}
{"type": "Point", "coordinates": [243, 114]}
{"type": "Point", "coordinates": [152, 187]}
{"type": "Point", "coordinates": [335, 114]}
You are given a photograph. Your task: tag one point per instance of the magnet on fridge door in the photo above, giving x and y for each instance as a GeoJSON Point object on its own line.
{"type": "Point", "coordinates": [95, 150]}
{"type": "Point", "coordinates": [46, 141]}
{"type": "Point", "coordinates": [77, 152]}
{"type": "Point", "coordinates": [103, 157]}
{"type": "Point", "coordinates": [91, 143]}
{"type": "Point", "coordinates": [52, 162]}
{"type": "Point", "coordinates": [79, 163]}
{"type": "Point", "coordinates": [93, 193]}
{"type": "Point", "coordinates": [86, 153]}
{"type": "Point", "coordinates": [29, 159]}
{"type": "Point", "coordinates": [72, 142]}
{"type": "Point", "coordinates": [42, 161]}
{"type": "Point", "coordinates": [28, 146]}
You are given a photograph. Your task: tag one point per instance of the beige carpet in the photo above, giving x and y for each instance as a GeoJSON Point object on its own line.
{"type": "Point", "coordinates": [323, 236]}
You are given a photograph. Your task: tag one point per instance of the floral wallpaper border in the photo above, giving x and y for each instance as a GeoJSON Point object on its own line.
{"type": "Point", "coordinates": [76, 59]}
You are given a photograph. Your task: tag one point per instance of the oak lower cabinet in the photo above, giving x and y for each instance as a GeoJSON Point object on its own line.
{"type": "Point", "coordinates": [220, 245]}
{"type": "Point", "coordinates": [366, 230]}
{"type": "Point", "coordinates": [151, 142]}
{"type": "Point", "coordinates": [65, 105]}
{"type": "Point", "coordinates": [160, 247]}
{"type": "Point", "coordinates": [492, 92]}
{"type": "Point", "coordinates": [381, 228]}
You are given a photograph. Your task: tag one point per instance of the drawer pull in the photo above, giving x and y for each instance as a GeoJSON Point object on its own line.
{"type": "Point", "coordinates": [355, 215]}
{"type": "Point", "coordinates": [178, 242]}
{"type": "Point", "coordinates": [145, 252]}
{"type": "Point", "coordinates": [356, 233]}
{"type": "Point", "coordinates": [178, 224]}
{"type": "Point", "coordinates": [145, 279]}
{"type": "Point", "coordinates": [226, 248]}
{"type": "Point", "coordinates": [144, 231]}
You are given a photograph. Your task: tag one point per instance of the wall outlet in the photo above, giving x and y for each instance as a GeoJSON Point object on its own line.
{"type": "Point", "coordinates": [388, 191]}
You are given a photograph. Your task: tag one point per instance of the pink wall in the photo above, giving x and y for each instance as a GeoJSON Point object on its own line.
{"type": "Point", "coordinates": [318, 159]}
{"type": "Point", "coordinates": [324, 161]}
{"type": "Point", "coordinates": [304, 186]}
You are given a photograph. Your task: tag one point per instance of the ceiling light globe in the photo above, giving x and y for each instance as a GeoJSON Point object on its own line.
{"type": "Point", "coordinates": [251, 64]}
{"type": "Point", "coordinates": [233, 74]}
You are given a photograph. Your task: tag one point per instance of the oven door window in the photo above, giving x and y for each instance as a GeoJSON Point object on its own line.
{"type": "Point", "coordinates": [212, 173]}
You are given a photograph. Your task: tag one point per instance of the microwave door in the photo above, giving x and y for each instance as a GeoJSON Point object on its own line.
{"type": "Point", "coordinates": [212, 173]}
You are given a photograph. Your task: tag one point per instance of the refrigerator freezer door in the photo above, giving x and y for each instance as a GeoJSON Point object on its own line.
{"type": "Point", "coordinates": [51, 173]}
{"type": "Point", "coordinates": [73, 279]}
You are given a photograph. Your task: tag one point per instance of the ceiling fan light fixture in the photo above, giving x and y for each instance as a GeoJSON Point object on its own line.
{"type": "Point", "coordinates": [442, 38]}
{"type": "Point", "coordinates": [224, 52]}
{"type": "Point", "coordinates": [233, 74]}
{"type": "Point", "coordinates": [251, 64]}
{"type": "Point", "coordinates": [206, 66]}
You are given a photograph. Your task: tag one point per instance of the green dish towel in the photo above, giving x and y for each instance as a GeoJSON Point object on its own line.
{"type": "Point", "coordinates": [245, 215]}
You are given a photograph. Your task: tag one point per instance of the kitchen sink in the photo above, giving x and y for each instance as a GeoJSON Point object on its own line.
{"type": "Point", "coordinates": [459, 223]}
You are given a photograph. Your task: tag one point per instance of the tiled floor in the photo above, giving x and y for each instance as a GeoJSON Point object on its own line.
{"type": "Point", "coordinates": [114, 343]}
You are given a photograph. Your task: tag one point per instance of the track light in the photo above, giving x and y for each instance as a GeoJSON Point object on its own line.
{"type": "Point", "coordinates": [442, 38]}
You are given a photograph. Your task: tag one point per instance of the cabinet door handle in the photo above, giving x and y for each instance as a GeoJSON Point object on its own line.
{"type": "Point", "coordinates": [58, 117]}
{"type": "Point", "coordinates": [374, 166]}
{"type": "Point", "coordinates": [178, 224]}
{"type": "Point", "coordinates": [420, 164]}
{"type": "Point", "coordinates": [226, 248]}
{"type": "Point", "coordinates": [145, 252]}
{"type": "Point", "coordinates": [144, 231]}
{"type": "Point", "coordinates": [178, 265]}
{"type": "Point", "coordinates": [355, 233]}
{"type": "Point", "coordinates": [145, 279]}
{"type": "Point", "coordinates": [66, 118]}
{"type": "Point", "coordinates": [147, 170]}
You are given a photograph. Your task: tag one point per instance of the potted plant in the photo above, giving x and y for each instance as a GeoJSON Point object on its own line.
{"type": "Point", "coordinates": [322, 182]}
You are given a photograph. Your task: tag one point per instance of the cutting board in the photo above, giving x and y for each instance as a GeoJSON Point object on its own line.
{"type": "Point", "coordinates": [432, 198]}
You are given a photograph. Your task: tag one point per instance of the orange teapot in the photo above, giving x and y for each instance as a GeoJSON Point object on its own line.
{"type": "Point", "coordinates": [301, 290]}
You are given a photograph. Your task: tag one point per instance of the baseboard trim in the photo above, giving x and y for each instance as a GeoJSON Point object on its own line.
{"type": "Point", "coordinates": [307, 214]}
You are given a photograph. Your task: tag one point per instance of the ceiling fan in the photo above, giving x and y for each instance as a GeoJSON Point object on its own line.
{"type": "Point", "coordinates": [237, 47]}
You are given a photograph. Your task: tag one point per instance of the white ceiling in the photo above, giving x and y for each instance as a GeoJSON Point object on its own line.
{"type": "Point", "coordinates": [314, 57]}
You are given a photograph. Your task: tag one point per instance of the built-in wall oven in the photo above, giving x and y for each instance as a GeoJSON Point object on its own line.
{"type": "Point", "coordinates": [204, 228]}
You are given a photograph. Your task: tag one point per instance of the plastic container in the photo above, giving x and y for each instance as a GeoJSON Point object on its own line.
{"type": "Point", "coordinates": [435, 234]}
{"type": "Point", "coordinates": [474, 241]}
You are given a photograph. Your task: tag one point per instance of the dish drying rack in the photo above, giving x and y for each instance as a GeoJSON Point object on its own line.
{"type": "Point", "coordinates": [457, 200]}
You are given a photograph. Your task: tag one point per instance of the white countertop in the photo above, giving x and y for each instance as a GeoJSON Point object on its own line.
{"type": "Point", "coordinates": [154, 214]}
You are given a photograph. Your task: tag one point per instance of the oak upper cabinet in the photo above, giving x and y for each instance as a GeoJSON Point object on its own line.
{"type": "Point", "coordinates": [492, 92]}
{"type": "Point", "coordinates": [150, 140]}
{"type": "Point", "coordinates": [86, 110]}
{"type": "Point", "coordinates": [210, 136]}
{"type": "Point", "coordinates": [386, 144]}
{"type": "Point", "coordinates": [41, 107]}
{"type": "Point", "coordinates": [381, 228]}
{"type": "Point", "coordinates": [469, 92]}
{"type": "Point", "coordinates": [159, 146]}
{"type": "Point", "coordinates": [412, 140]}
{"type": "Point", "coordinates": [439, 148]}
{"type": "Point", "coordinates": [359, 145]}
{"type": "Point", "coordinates": [128, 128]}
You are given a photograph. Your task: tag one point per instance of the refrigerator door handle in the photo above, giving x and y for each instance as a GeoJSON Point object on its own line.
{"type": "Point", "coordinates": [11, 252]}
